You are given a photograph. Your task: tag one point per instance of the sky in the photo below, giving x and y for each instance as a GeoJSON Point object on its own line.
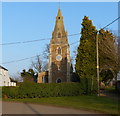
{"type": "Point", "coordinates": [26, 21]}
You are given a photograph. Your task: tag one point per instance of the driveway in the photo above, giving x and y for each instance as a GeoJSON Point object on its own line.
{"type": "Point", "coordinates": [26, 108]}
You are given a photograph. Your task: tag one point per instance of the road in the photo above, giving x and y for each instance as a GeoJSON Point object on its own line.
{"type": "Point", "coordinates": [26, 108]}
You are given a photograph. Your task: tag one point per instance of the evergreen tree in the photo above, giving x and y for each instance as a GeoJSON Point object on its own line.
{"type": "Point", "coordinates": [86, 56]}
{"type": "Point", "coordinates": [108, 56]}
{"type": "Point", "coordinates": [29, 75]}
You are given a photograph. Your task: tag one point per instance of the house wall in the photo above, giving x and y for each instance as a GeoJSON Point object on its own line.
{"type": "Point", "coordinates": [4, 78]}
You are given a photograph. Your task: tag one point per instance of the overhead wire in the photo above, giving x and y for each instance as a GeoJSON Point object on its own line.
{"type": "Point", "coordinates": [45, 39]}
{"type": "Point", "coordinates": [33, 56]}
{"type": "Point", "coordinates": [30, 41]}
{"type": "Point", "coordinates": [111, 22]}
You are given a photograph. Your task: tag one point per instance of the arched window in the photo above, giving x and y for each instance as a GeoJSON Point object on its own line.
{"type": "Point", "coordinates": [59, 35]}
{"type": "Point", "coordinates": [59, 50]}
{"type": "Point", "coordinates": [58, 81]}
{"type": "Point", "coordinates": [58, 67]}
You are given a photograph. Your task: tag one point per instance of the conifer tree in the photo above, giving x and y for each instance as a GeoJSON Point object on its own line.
{"type": "Point", "coordinates": [86, 55]}
{"type": "Point", "coordinates": [108, 56]}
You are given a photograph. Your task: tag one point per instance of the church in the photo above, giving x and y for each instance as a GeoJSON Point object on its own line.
{"type": "Point", "coordinates": [59, 54]}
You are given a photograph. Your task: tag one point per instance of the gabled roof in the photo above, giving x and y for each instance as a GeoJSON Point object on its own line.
{"type": "Point", "coordinates": [3, 68]}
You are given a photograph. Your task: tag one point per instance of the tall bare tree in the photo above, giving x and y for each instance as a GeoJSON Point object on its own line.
{"type": "Point", "coordinates": [37, 64]}
{"type": "Point", "coordinates": [41, 62]}
{"type": "Point", "coordinates": [46, 51]}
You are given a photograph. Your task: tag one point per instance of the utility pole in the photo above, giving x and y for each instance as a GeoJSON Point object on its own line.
{"type": "Point", "coordinates": [98, 88]}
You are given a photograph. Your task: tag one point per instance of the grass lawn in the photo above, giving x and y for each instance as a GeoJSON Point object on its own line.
{"type": "Point", "coordinates": [102, 104]}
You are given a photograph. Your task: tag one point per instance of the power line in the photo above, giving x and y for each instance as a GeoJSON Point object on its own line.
{"type": "Point", "coordinates": [19, 60]}
{"type": "Point", "coordinates": [32, 56]}
{"type": "Point", "coordinates": [111, 23]}
{"type": "Point", "coordinates": [14, 43]}
{"type": "Point", "coordinates": [45, 39]}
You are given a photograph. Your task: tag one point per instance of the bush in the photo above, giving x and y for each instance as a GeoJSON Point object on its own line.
{"type": "Point", "coordinates": [36, 90]}
{"type": "Point", "coordinates": [10, 92]}
{"type": "Point", "coordinates": [89, 85]}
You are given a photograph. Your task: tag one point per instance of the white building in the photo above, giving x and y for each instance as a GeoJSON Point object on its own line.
{"type": "Point", "coordinates": [4, 78]}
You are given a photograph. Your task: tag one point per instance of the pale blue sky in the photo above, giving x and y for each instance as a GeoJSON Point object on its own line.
{"type": "Point", "coordinates": [29, 21]}
{"type": "Point", "coordinates": [0, 31]}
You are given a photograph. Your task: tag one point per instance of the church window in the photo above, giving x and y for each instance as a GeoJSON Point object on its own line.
{"type": "Point", "coordinates": [59, 35]}
{"type": "Point", "coordinates": [58, 17]}
{"type": "Point", "coordinates": [59, 50]}
{"type": "Point", "coordinates": [58, 67]}
{"type": "Point", "coordinates": [59, 81]}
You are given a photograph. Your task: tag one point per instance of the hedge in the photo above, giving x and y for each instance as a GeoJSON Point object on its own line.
{"type": "Point", "coordinates": [36, 90]}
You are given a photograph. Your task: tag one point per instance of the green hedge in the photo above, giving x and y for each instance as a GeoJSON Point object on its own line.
{"type": "Point", "coordinates": [35, 90]}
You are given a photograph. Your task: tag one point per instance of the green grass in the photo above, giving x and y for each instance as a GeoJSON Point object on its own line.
{"type": "Point", "coordinates": [101, 104]}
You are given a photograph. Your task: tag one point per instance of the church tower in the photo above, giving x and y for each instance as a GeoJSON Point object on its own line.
{"type": "Point", "coordinates": [59, 54]}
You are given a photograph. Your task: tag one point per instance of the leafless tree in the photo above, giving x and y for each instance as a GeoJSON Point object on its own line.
{"type": "Point", "coordinates": [37, 64]}
{"type": "Point", "coordinates": [46, 52]}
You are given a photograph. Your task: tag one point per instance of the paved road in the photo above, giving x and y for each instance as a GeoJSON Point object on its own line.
{"type": "Point", "coordinates": [26, 108]}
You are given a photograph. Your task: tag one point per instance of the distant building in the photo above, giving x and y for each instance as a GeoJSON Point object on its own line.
{"type": "Point", "coordinates": [4, 78]}
{"type": "Point", "coordinates": [42, 77]}
{"type": "Point", "coordinates": [59, 66]}
{"type": "Point", "coordinates": [59, 54]}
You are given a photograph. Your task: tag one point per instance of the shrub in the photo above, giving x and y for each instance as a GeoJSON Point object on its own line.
{"type": "Point", "coordinates": [36, 90]}
{"type": "Point", "coordinates": [10, 92]}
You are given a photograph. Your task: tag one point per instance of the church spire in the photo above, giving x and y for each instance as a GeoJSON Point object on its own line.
{"type": "Point", "coordinates": [59, 19]}
{"type": "Point", "coordinates": [59, 25]}
{"type": "Point", "coordinates": [59, 13]}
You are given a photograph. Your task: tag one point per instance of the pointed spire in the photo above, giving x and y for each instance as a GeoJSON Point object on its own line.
{"type": "Point", "coordinates": [59, 13]}
{"type": "Point", "coordinates": [59, 25]}
{"type": "Point", "coordinates": [59, 16]}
